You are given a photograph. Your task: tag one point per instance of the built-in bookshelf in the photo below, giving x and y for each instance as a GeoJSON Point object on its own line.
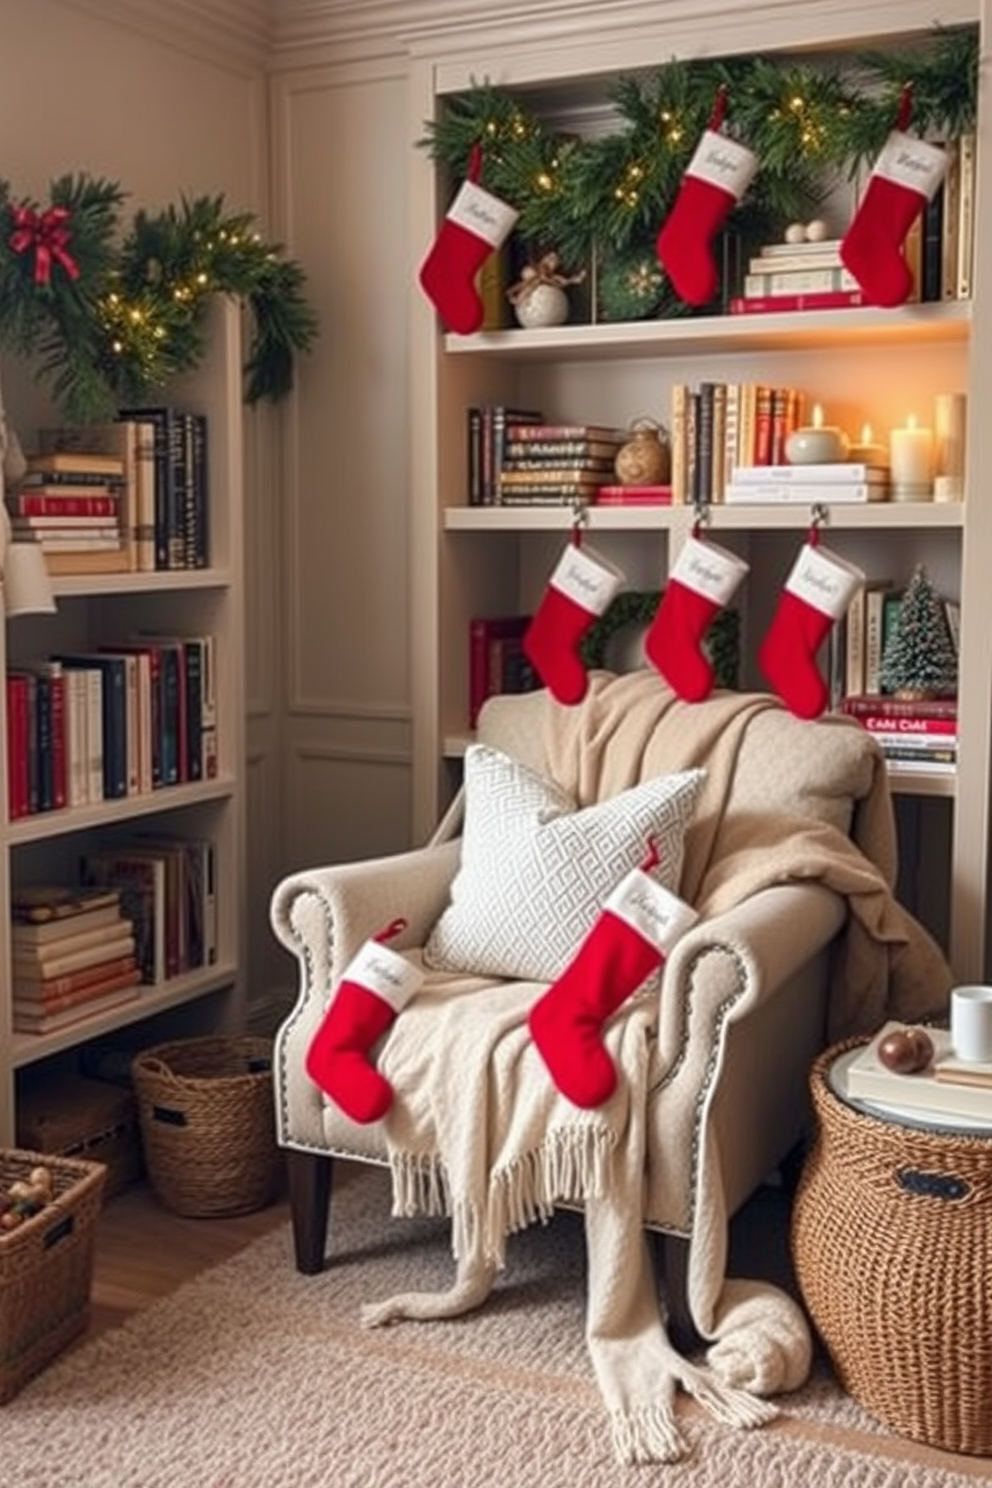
{"type": "Point", "coordinates": [472, 560]}
{"type": "Point", "coordinates": [182, 796]}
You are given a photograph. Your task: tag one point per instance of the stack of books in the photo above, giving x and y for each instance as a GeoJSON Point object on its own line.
{"type": "Point", "coordinates": [71, 505]}
{"type": "Point", "coordinates": [948, 1088]}
{"type": "Point", "coordinates": [913, 733]}
{"type": "Point", "coordinates": [848, 482]}
{"type": "Point", "coordinates": [798, 276]}
{"type": "Point", "coordinates": [73, 955]}
{"type": "Point", "coordinates": [167, 886]}
{"type": "Point", "coordinates": [556, 464]}
{"type": "Point", "coordinates": [489, 427]}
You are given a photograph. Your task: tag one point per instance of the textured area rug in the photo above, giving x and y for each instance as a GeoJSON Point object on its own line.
{"type": "Point", "coordinates": [252, 1376]}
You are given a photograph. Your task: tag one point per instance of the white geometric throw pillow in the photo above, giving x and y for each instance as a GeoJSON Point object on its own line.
{"type": "Point", "coordinates": [534, 871]}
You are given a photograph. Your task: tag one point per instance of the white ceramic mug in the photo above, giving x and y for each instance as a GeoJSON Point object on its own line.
{"type": "Point", "coordinates": [971, 1023]}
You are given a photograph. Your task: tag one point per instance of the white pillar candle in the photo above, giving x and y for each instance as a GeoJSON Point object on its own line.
{"type": "Point", "coordinates": [948, 428]}
{"type": "Point", "coordinates": [911, 461]}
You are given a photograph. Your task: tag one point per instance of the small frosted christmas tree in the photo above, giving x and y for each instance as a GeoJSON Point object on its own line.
{"type": "Point", "coordinates": [919, 658]}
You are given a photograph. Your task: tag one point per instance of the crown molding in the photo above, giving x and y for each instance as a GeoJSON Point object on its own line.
{"type": "Point", "coordinates": [228, 33]}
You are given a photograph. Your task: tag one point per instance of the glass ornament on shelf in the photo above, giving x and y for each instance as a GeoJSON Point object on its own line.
{"type": "Point", "coordinates": [538, 297]}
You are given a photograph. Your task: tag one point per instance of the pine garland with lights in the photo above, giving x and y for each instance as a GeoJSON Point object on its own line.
{"type": "Point", "coordinates": [110, 313]}
{"type": "Point", "coordinates": [605, 198]}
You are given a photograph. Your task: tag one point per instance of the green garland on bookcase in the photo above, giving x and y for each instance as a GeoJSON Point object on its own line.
{"type": "Point", "coordinates": [607, 197]}
{"type": "Point", "coordinates": [110, 311]}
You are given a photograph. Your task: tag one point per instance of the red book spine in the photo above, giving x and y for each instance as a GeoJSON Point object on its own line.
{"type": "Point", "coordinates": [35, 504]}
{"type": "Point", "coordinates": [869, 704]}
{"type": "Point", "coordinates": [824, 299]}
{"type": "Point", "coordinates": [482, 633]}
{"type": "Point", "coordinates": [18, 723]}
{"type": "Point", "coordinates": [908, 727]}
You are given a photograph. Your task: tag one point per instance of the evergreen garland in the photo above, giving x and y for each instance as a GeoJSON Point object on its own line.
{"type": "Point", "coordinates": [111, 313]}
{"type": "Point", "coordinates": [605, 198]}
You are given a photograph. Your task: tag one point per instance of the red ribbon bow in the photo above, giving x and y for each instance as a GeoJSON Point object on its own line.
{"type": "Point", "coordinates": [48, 235]}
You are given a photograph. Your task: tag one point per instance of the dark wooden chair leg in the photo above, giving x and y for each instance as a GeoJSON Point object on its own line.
{"type": "Point", "coordinates": [672, 1268]}
{"type": "Point", "coordinates": [309, 1177]}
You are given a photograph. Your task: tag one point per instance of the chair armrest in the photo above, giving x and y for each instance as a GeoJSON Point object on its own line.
{"type": "Point", "coordinates": [742, 1007]}
{"type": "Point", "coordinates": [323, 915]}
{"type": "Point", "coordinates": [732, 963]}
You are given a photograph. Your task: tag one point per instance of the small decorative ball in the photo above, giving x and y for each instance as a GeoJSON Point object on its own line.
{"type": "Point", "coordinates": [544, 305]}
{"type": "Point", "coordinates": [644, 460]}
{"type": "Point", "coordinates": [795, 232]}
{"type": "Point", "coordinates": [816, 231]}
{"type": "Point", "coordinates": [906, 1051]}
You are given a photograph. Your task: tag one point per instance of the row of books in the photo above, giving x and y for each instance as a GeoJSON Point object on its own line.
{"type": "Point", "coordinates": [718, 428]}
{"type": "Point", "coordinates": [496, 660]}
{"type": "Point", "coordinates": [939, 250]}
{"type": "Point", "coordinates": [101, 725]}
{"type": "Point", "coordinates": [153, 463]}
{"type": "Point", "coordinates": [168, 889]}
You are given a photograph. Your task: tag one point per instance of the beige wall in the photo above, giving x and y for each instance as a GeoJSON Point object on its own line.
{"type": "Point", "coordinates": [165, 112]}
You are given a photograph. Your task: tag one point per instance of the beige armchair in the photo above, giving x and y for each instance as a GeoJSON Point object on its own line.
{"type": "Point", "coordinates": [745, 999]}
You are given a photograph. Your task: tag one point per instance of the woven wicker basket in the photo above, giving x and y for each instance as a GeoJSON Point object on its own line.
{"type": "Point", "coordinates": [207, 1117]}
{"type": "Point", "coordinates": [892, 1246]}
{"type": "Point", "coordinates": [46, 1265]}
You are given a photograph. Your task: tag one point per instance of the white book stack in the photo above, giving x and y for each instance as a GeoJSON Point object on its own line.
{"type": "Point", "coordinates": [849, 482]}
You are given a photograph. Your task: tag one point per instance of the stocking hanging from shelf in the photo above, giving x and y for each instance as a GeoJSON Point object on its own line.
{"type": "Point", "coordinates": [476, 225]}
{"type": "Point", "coordinates": [715, 180]}
{"type": "Point", "coordinates": [701, 583]}
{"type": "Point", "coordinates": [817, 594]}
{"type": "Point", "coordinates": [905, 176]}
{"type": "Point", "coordinates": [579, 591]}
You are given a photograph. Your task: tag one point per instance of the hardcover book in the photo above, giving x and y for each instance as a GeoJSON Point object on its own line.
{"type": "Point", "coordinates": [927, 1091]}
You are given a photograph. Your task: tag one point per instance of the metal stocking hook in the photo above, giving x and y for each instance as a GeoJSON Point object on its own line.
{"type": "Point", "coordinates": [580, 520]}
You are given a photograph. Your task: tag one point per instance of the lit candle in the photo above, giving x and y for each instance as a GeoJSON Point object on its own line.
{"type": "Point", "coordinates": [867, 451]}
{"type": "Point", "coordinates": [816, 443]}
{"type": "Point", "coordinates": [911, 458]}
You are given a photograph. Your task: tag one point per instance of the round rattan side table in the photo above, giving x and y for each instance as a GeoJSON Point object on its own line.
{"type": "Point", "coordinates": [891, 1236]}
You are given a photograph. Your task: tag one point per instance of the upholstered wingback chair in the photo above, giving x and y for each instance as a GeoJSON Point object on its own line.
{"type": "Point", "coordinates": [745, 996]}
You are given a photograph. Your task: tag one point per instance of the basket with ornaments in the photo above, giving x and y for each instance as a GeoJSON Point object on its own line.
{"type": "Point", "coordinates": [25, 1197]}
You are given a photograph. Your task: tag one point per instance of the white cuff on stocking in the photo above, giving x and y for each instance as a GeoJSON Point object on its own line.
{"type": "Point", "coordinates": [385, 973]}
{"type": "Point", "coordinates": [911, 163]}
{"type": "Point", "coordinates": [585, 578]}
{"type": "Point", "coordinates": [824, 581]}
{"type": "Point", "coordinates": [483, 214]}
{"type": "Point", "coordinates": [654, 912]}
{"type": "Point", "coordinates": [709, 570]}
{"type": "Point", "coordinates": [723, 163]}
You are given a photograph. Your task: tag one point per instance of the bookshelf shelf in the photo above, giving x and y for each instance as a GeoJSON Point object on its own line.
{"type": "Point", "coordinates": [28, 1049]}
{"type": "Point", "coordinates": [867, 365]}
{"type": "Point", "coordinates": [98, 611]}
{"type": "Point", "coordinates": [914, 325]}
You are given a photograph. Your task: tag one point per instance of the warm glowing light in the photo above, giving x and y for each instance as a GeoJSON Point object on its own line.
{"type": "Point", "coordinates": [817, 416]}
{"type": "Point", "coordinates": [866, 434]}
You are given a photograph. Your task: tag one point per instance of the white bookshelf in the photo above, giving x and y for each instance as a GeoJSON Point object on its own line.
{"type": "Point", "coordinates": [95, 610]}
{"type": "Point", "coordinates": [470, 560]}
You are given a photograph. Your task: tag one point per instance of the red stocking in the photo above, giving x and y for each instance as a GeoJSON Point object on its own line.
{"type": "Point", "coordinates": [578, 592]}
{"type": "Point", "coordinates": [716, 178]}
{"type": "Point", "coordinates": [376, 985]}
{"type": "Point", "coordinates": [476, 224]}
{"type": "Point", "coordinates": [703, 580]}
{"type": "Point", "coordinates": [640, 924]}
{"type": "Point", "coordinates": [904, 177]}
{"type": "Point", "coordinates": [817, 593]}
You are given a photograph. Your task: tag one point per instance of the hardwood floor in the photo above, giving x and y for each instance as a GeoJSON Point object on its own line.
{"type": "Point", "coordinates": [143, 1251]}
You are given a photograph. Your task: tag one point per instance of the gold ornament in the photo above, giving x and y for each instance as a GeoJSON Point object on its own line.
{"type": "Point", "coordinates": [644, 460]}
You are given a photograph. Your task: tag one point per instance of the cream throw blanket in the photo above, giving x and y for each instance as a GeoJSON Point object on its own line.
{"type": "Point", "coordinates": [478, 1131]}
